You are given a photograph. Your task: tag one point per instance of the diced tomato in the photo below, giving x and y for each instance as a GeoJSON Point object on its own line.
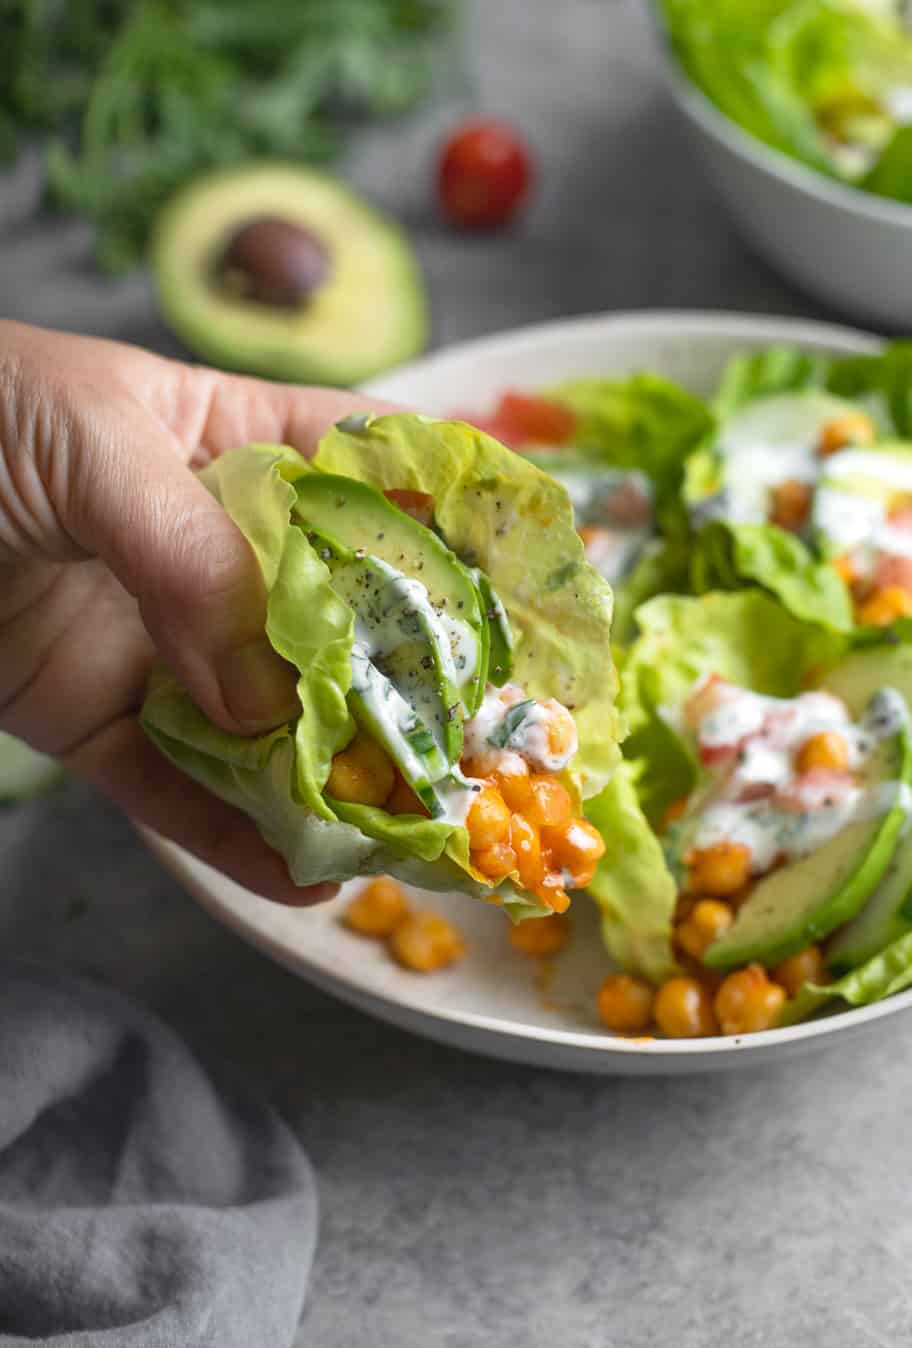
{"type": "Point", "coordinates": [749, 791]}
{"type": "Point", "coordinates": [418, 504]}
{"type": "Point", "coordinates": [814, 790]}
{"type": "Point", "coordinates": [893, 571]}
{"type": "Point", "coordinates": [489, 425]}
{"type": "Point", "coordinates": [712, 755]}
{"type": "Point", "coordinates": [528, 419]}
{"type": "Point", "coordinates": [629, 505]}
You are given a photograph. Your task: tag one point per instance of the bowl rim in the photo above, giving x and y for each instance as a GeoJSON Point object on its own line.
{"type": "Point", "coordinates": [734, 327]}
{"type": "Point", "coordinates": [718, 125]}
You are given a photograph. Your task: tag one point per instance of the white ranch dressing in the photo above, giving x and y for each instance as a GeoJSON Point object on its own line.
{"type": "Point", "coordinates": [528, 742]}
{"type": "Point", "coordinates": [753, 470]}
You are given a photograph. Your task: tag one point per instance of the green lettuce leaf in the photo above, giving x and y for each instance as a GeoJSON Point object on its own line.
{"type": "Point", "coordinates": [644, 422]}
{"type": "Point", "coordinates": [662, 568]}
{"type": "Point", "coordinates": [633, 886]}
{"type": "Point", "coordinates": [504, 515]}
{"type": "Point", "coordinates": [729, 557]}
{"type": "Point", "coordinates": [882, 975]}
{"type": "Point", "coordinates": [559, 607]}
{"type": "Point", "coordinates": [759, 374]}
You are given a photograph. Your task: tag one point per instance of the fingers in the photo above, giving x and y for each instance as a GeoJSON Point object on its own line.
{"type": "Point", "coordinates": [132, 502]}
{"type": "Point", "coordinates": [128, 767]}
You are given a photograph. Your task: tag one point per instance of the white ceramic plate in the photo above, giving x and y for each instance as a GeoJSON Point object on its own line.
{"type": "Point", "coordinates": [496, 1001]}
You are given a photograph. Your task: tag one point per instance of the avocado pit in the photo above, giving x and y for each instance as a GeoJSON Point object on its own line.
{"type": "Point", "coordinates": [273, 261]}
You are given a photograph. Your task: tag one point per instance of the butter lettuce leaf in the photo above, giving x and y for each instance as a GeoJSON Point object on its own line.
{"type": "Point", "coordinates": [633, 887]}
{"type": "Point", "coordinates": [500, 513]}
{"type": "Point", "coordinates": [554, 600]}
{"type": "Point", "coordinates": [729, 557]}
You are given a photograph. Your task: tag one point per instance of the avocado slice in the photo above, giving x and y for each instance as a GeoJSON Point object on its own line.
{"type": "Point", "coordinates": [278, 270]}
{"type": "Point", "coordinates": [381, 710]}
{"type": "Point", "coordinates": [888, 912]}
{"type": "Point", "coordinates": [401, 636]}
{"type": "Point", "coordinates": [498, 660]}
{"type": "Point", "coordinates": [804, 902]}
{"type": "Point", "coordinates": [363, 520]}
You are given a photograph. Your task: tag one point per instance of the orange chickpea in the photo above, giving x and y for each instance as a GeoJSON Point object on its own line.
{"type": "Point", "coordinates": [425, 942]}
{"type": "Point", "coordinates": [552, 892]}
{"type": "Point", "coordinates": [538, 937]}
{"type": "Point", "coordinates": [589, 534]}
{"type": "Point", "coordinates": [402, 800]}
{"type": "Point", "coordinates": [747, 1001]}
{"type": "Point", "coordinates": [850, 428]}
{"type": "Point", "coordinates": [805, 967]}
{"type": "Point", "coordinates": [720, 870]}
{"type": "Point", "coordinates": [706, 698]}
{"type": "Point", "coordinates": [488, 819]}
{"type": "Point", "coordinates": [884, 607]}
{"type": "Point", "coordinates": [791, 503]}
{"type": "Point", "coordinates": [813, 677]}
{"type": "Point", "coordinates": [707, 920]}
{"type": "Point", "coordinates": [683, 1009]}
{"type": "Point", "coordinates": [673, 813]}
{"type": "Point", "coordinates": [526, 843]}
{"type": "Point", "coordinates": [551, 806]}
{"type": "Point", "coordinates": [826, 750]}
{"type": "Point", "coordinates": [845, 568]}
{"type": "Point", "coordinates": [496, 861]}
{"type": "Point", "coordinates": [377, 909]}
{"type": "Point", "coordinates": [625, 1004]}
{"type": "Point", "coordinates": [361, 774]}
{"type": "Point", "coordinates": [514, 783]}
{"type": "Point", "coordinates": [577, 850]}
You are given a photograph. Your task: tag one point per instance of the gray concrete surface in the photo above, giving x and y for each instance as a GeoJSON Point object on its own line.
{"type": "Point", "coordinates": [466, 1202]}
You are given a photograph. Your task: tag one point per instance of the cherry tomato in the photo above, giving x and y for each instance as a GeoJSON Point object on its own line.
{"type": "Point", "coordinates": [525, 418]}
{"type": "Point", "coordinates": [418, 504]}
{"type": "Point", "coordinates": [484, 173]}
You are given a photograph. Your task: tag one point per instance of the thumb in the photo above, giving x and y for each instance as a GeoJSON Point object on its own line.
{"type": "Point", "coordinates": [201, 594]}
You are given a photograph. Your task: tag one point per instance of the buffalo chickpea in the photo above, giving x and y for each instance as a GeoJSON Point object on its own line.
{"type": "Point", "coordinates": [805, 967]}
{"type": "Point", "coordinates": [683, 1009]}
{"type": "Point", "coordinates": [790, 503]}
{"type": "Point", "coordinates": [705, 922]}
{"type": "Point", "coordinates": [673, 813]}
{"type": "Point", "coordinates": [720, 870]}
{"type": "Point", "coordinates": [496, 861]}
{"type": "Point", "coordinates": [402, 799]}
{"type": "Point", "coordinates": [576, 850]}
{"type": "Point", "coordinates": [828, 749]}
{"type": "Point", "coordinates": [551, 806]}
{"type": "Point", "coordinates": [845, 569]}
{"type": "Point", "coordinates": [850, 428]}
{"type": "Point", "coordinates": [488, 819]}
{"type": "Point", "coordinates": [362, 774]}
{"type": "Point", "coordinates": [561, 729]}
{"type": "Point", "coordinates": [625, 1004]}
{"type": "Point", "coordinates": [552, 893]}
{"type": "Point", "coordinates": [514, 782]}
{"type": "Point", "coordinates": [884, 607]}
{"type": "Point", "coordinates": [377, 909]}
{"type": "Point", "coordinates": [426, 941]}
{"type": "Point", "coordinates": [747, 1001]}
{"type": "Point", "coordinates": [538, 937]}
{"type": "Point", "coordinates": [526, 843]}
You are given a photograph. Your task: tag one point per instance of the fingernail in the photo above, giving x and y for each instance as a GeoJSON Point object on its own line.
{"type": "Point", "coordinates": [258, 687]}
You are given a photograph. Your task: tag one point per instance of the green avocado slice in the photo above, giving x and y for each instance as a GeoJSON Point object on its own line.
{"type": "Point", "coordinates": [23, 771]}
{"type": "Point", "coordinates": [804, 902]}
{"type": "Point", "coordinates": [887, 914]}
{"type": "Point", "coordinates": [401, 637]}
{"type": "Point", "coordinates": [499, 655]}
{"type": "Point", "coordinates": [361, 519]}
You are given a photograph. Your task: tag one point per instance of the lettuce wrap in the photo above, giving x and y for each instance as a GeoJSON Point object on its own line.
{"type": "Point", "coordinates": [503, 548]}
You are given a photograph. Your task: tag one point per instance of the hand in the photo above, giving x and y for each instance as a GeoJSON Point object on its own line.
{"type": "Point", "coordinates": [110, 549]}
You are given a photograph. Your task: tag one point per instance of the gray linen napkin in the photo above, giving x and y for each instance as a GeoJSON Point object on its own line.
{"type": "Point", "coordinates": [139, 1203]}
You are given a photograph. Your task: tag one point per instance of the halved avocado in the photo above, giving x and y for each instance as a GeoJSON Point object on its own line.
{"type": "Point", "coordinates": [281, 271]}
{"type": "Point", "coordinates": [806, 901]}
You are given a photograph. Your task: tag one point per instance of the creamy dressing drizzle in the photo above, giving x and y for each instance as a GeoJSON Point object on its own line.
{"type": "Point", "coordinates": [764, 733]}
{"type": "Point", "coordinates": [528, 741]}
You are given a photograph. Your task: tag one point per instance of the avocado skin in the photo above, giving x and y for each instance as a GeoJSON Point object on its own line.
{"type": "Point", "coordinates": [303, 346]}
